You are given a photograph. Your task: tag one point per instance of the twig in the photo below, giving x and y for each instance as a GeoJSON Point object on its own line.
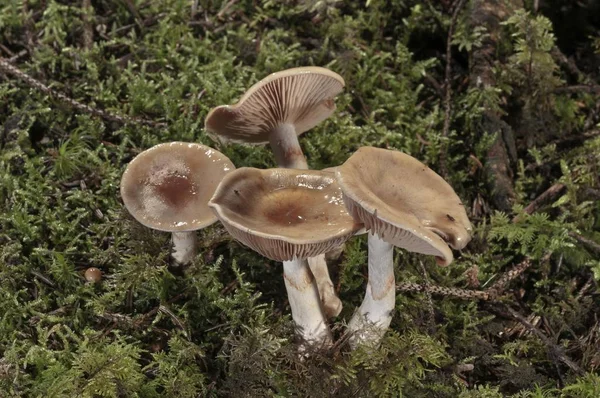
{"type": "Point", "coordinates": [430, 310]}
{"type": "Point", "coordinates": [28, 25]}
{"type": "Point", "coordinates": [88, 29]}
{"type": "Point", "coordinates": [443, 291]}
{"type": "Point", "coordinates": [498, 287]}
{"type": "Point", "coordinates": [590, 244]}
{"type": "Point", "coordinates": [447, 82]}
{"type": "Point", "coordinates": [9, 69]}
{"type": "Point", "coordinates": [556, 351]}
{"type": "Point", "coordinates": [548, 195]}
{"type": "Point", "coordinates": [489, 294]}
{"type": "Point", "coordinates": [176, 320]}
{"type": "Point", "coordinates": [226, 8]}
{"type": "Point", "coordinates": [577, 89]}
{"type": "Point", "coordinates": [568, 64]}
{"type": "Point", "coordinates": [43, 278]}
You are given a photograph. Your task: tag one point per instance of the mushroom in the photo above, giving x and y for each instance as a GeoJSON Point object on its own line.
{"type": "Point", "coordinates": [167, 188]}
{"type": "Point", "coordinates": [402, 203]}
{"type": "Point", "coordinates": [288, 215]}
{"type": "Point", "coordinates": [277, 110]}
{"type": "Point", "coordinates": [93, 275]}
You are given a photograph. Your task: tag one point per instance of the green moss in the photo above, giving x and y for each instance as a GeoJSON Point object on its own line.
{"type": "Point", "coordinates": [223, 328]}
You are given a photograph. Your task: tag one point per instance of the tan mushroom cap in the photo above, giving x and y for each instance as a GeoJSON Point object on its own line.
{"type": "Point", "coordinates": [299, 96]}
{"type": "Point", "coordinates": [284, 213]}
{"type": "Point", "coordinates": [167, 187]}
{"type": "Point", "coordinates": [404, 202]}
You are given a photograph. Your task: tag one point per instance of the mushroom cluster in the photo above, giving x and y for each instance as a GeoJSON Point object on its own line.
{"type": "Point", "coordinates": [295, 215]}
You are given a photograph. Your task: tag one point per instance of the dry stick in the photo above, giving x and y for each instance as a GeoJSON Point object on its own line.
{"type": "Point", "coordinates": [9, 69]}
{"type": "Point", "coordinates": [548, 195]}
{"type": "Point", "coordinates": [491, 14]}
{"type": "Point", "coordinates": [88, 29]}
{"type": "Point", "coordinates": [590, 244]}
{"type": "Point", "coordinates": [447, 84]}
{"type": "Point", "coordinates": [489, 294]}
{"type": "Point", "coordinates": [443, 291]}
{"type": "Point", "coordinates": [553, 348]}
{"type": "Point", "coordinates": [498, 287]}
{"type": "Point", "coordinates": [430, 310]}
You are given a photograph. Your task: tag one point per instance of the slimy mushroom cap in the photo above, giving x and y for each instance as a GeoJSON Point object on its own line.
{"type": "Point", "coordinates": [167, 187]}
{"type": "Point", "coordinates": [284, 213]}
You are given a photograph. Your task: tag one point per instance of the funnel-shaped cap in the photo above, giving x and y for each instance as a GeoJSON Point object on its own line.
{"type": "Point", "coordinates": [284, 213]}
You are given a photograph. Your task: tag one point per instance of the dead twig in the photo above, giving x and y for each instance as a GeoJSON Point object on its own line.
{"type": "Point", "coordinates": [455, 292]}
{"type": "Point", "coordinates": [548, 195]}
{"type": "Point", "coordinates": [430, 310]}
{"type": "Point", "coordinates": [500, 284]}
{"type": "Point", "coordinates": [88, 28]}
{"type": "Point", "coordinates": [579, 88]}
{"type": "Point", "coordinates": [9, 69]}
{"type": "Point", "coordinates": [447, 84]}
{"type": "Point", "coordinates": [490, 294]}
{"type": "Point", "coordinates": [590, 244]}
{"type": "Point", "coordinates": [555, 351]}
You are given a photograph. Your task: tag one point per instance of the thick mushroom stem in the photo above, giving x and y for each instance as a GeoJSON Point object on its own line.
{"type": "Point", "coordinates": [332, 305]}
{"type": "Point", "coordinates": [286, 148]}
{"type": "Point", "coordinates": [184, 247]}
{"type": "Point", "coordinates": [373, 318]}
{"type": "Point", "coordinates": [305, 304]}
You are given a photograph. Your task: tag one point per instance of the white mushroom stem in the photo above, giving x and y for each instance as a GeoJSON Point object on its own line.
{"type": "Point", "coordinates": [184, 247]}
{"type": "Point", "coordinates": [288, 154]}
{"type": "Point", "coordinates": [332, 305]}
{"type": "Point", "coordinates": [286, 148]}
{"type": "Point", "coordinates": [306, 306]}
{"type": "Point", "coordinates": [373, 318]}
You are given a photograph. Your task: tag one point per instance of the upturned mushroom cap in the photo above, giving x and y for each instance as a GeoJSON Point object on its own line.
{"type": "Point", "coordinates": [404, 202]}
{"type": "Point", "coordinates": [167, 187]}
{"type": "Point", "coordinates": [283, 213]}
{"type": "Point", "coordinates": [299, 96]}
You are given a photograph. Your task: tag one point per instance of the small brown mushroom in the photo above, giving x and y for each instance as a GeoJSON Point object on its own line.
{"type": "Point", "coordinates": [289, 216]}
{"type": "Point", "coordinates": [167, 188]}
{"type": "Point", "coordinates": [402, 203]}
{"type": "Point", "coordinates": [93, 275]}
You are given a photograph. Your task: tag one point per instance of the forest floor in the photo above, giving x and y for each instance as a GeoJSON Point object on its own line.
{"type": "Point", "coordinates": [500, 97]}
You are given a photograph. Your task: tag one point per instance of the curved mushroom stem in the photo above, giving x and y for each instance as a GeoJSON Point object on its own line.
{"type": "Point", "coordinates": [286, 148]}
{"type": "Point", "coordinates": [306, 306]}
{"type": "Point", "coordinates": [332, 305]}
{"type": "Point", "coordinates": [288, 154]}
{"type": "Point", "coordinates": [373, 318]}
{"type": "Point", "coordinates": [184, 247]}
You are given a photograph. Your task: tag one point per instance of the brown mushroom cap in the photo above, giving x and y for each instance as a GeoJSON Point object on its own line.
{"type": "Point", "coordinates": [283, 213]}
{"type": "Point", "coordinates": [404, 202]}
{"type": "Point", "coordinates": [299, 96]}
{"type": "Point", "coordinates": [167, 187]}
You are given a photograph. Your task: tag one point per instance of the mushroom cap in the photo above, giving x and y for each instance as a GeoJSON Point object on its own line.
{"type": "Point", "coordinates": [404, 202]}
{"type": "Point", "coordinates": [299, 96]}
{"type": "Point", "coordinates": [284, 213]}
{"type": "Point", "coordinates": [167, 187]}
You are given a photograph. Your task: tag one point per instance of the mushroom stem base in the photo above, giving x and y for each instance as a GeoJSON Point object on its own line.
{"type": "Point", "coordinates": [306, 306]}
{"type": "Point", "coordinates": [332, 305]}
{"type": "Point", "coordinates": [373, 318]}
{"type": "Point", "coordinates": [184, 247]}
{"type": "Point", "coordinates": [286, 148]}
